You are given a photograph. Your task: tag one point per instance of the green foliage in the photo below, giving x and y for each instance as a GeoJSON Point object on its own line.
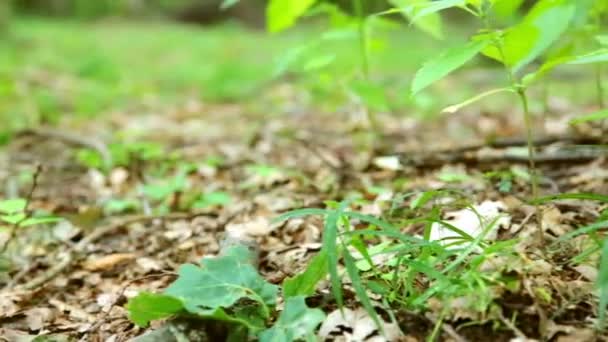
{"type": "Point", "coordinates": [296, 322]}
{"type": "Point", "coordinates": [304, 283]}
{"type": "Point", "coordinates": [217, 198]}
{"type": "Point", "coordinates": [602, 284]}
{"type": "Point", "coordinates": [227, 289]}
{"type": "Point", "coordinates": [447, 62]}
{"type": "Point", "coordinates": [221, 282]}
{"type": "Point", "coordinates": [541, 27]}
{"type": "Point", "coordinates": [13, 213]}
{"type": "Point", "coordinates": [147, 307]}
{"type": "Point", "coordinates": [282, 14]}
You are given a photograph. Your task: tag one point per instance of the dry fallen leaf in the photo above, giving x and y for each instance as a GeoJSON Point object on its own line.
{"type": "Point", "coordinates": [472, 222]}
{"type": "Point", "coordinates": [107, 262]}
{"type": "Point", "coordinates": [356, 326]}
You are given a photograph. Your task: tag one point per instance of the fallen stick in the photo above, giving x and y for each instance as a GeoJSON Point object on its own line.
{"type": "Point", "coordinates": [79, 248]}
{"type": "Point", "coordinates": [72, 139]}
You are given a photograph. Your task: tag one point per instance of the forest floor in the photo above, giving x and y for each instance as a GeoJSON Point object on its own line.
{"type": "Point", "coordinates": [152, 184]}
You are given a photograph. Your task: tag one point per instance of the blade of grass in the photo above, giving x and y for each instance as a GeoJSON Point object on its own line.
{"type": "Point", "coordinates": [602, 284]}
{"type": "Point", "coordinates": [330, 235]}
{"type": "Point", "coordinates": [360, 290]}
{"type": "Point", "coordinates": [578, 196]}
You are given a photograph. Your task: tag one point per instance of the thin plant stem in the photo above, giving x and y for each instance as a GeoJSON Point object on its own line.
{"type": "Point", "coordinates": [365, 69]}
{"type": "Point", "coordinates": [599, 86]}
{"type": "Point", "coordinates": [360, 12]}
{"type": "Point", "coordinates": [521, 92]}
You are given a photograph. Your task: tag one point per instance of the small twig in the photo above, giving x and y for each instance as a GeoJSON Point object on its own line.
{"type": "Point", "coordinates": [518, 333]}
{"type": "Point", "coordinates": [72, 139]}
{"type": "Point", "coordinates": [98, 233]}
{"type": "Point", "coordinates": [543, 321]}
{"type": "Point", "coordinates": [105, 314]}
{"type": "Point", "coordinates": [447, 328]}
{"type": "Point", "coordinates": [26, 210]}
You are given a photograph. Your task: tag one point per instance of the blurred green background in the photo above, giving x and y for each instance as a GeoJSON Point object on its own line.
{"type": "Point", "coordinates": [85, 58]}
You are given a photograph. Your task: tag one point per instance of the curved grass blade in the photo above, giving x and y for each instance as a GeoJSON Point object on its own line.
{"type": "Point", "coordinates": [583, 230]}
{"type": "Point", "coordinates": [578, 196]}
{"type": "Point", "coordinates": [360, 290]}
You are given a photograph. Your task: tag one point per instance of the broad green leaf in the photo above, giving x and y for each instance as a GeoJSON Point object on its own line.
{"type": "Point", "coordinates": [305, 283]}
{"type": "Point", "coordinates": [371, 95]}
{"type": "Point", "coordinates": [430, 23]}
{"type": "Point", "coordinates": [12, 206]}
{"type": "Point", "coordinates": [295, 322]}
{"type": "Point", "coordinates": [602, 284]}
{"type": "Point", "coordinates": [282, 14]}
{"type": "Point", "coordinates": [600, 115]}
{"type": "Point", "coordinates": [146, 307]}
{"type": "Point", "coordinates": [603, 40]}
{"type": "Point", "coordinates": [425, 8]}
{"type": "Point", "coordinates": [450, 60]}
{"type": "Point", "coordinates": [506, 8]}
{"type": "Point", "coordinates": [541, 27]}
{"type": "Point", "coordinates": [221, 282]}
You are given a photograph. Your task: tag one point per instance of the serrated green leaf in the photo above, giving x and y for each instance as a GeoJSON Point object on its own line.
{"type": "Point", "coordinates": [146, 307]}
{"type": "Point", "coordinates": [295, 322]}
{"type": "Point", "coordinates": [12, 206]}
{"type": "Point", "coordinates": [282, 14]}
{"type": "Point", "coordinates": [221, 282]}
{"type": "Point", "coordinates": [306, 282]}
{"type": "Point", "coordinates": [450, 60]}
{"type": "Point", "coordinates": [541, 27]}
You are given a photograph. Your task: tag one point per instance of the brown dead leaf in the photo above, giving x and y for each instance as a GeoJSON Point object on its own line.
{"type": "Point", "coordinates": [107, 262]}
{"type": "Point", "coordinates": [356, 326]}
{"type": "Point", "coordinates": [578, 335]}
{"type": "Point", "coordinates": [259, 226]}
{"type": "Point", "coordinates": [38, 318]}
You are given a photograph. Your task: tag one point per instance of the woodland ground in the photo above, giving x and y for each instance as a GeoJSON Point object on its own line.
{"type": "Point", "coordinates": [201, 135]}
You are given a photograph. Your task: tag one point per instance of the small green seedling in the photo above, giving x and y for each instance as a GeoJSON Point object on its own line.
{"type": "Point", "coordinates": [515, 47]}
{"type": "Point", "coordinates": [229, 290]}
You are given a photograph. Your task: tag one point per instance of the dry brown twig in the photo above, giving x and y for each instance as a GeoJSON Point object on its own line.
{"type": "Point", "coordinates": [78, 249]}
{"type": "Point", "coordinates": [105, 314]}
{"type": "Point", "coordinates": [26, 210]}
{"type": "Point", "coordinates": [72, 139]}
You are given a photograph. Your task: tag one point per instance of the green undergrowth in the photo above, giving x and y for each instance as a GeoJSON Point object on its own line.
{"type": "Point", "coordinates": [385, 268]}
